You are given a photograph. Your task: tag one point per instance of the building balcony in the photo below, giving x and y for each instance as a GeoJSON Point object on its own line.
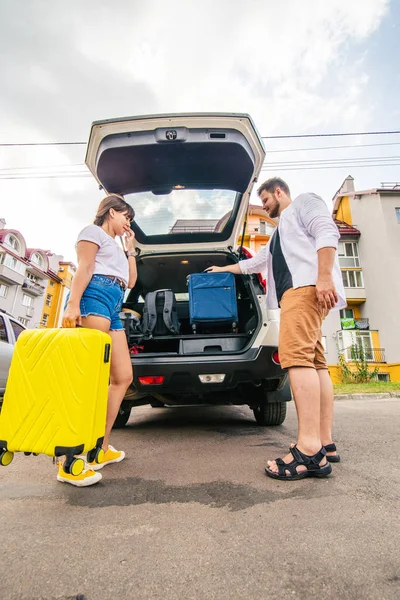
{"type": "Point", "coordinates": [355, 293]}
{"type": "Point", "coordinates": [256, 231]}
{"type": "Point", "coordinates": [33, 288]}
{"type": "Point", "coordinates": [372, 355]}
{"type": "Point", "coordinates": [10, 276]}
{"type": "Point", "coordinates": [355, 324]}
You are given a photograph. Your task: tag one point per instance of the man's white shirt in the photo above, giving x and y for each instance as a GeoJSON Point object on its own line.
{"type": "Point", "coordinates": [305, 227]}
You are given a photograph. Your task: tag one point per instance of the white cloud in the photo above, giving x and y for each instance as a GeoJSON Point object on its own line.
{"type": "Point", "coordinates": [294, 66]}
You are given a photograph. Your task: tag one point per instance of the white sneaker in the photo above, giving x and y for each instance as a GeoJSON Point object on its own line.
{"type": "Point", "coordinates": [85, 478]}
{"type": "Point", "coordinates": [111, 455]}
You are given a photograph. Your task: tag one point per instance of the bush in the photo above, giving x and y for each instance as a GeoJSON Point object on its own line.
{"type": "Point", "coordinates": [360, 371]}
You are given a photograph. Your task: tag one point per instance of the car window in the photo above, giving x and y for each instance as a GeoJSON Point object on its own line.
{"type": "Point", "coordinates": [16, 328]}
{"type": "Point", "coordinates": [183, 211]}
{"type": "Point", "coordinates": [3, 331]}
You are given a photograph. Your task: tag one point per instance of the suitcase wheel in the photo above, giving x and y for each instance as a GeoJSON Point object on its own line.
{"type": "Point", "coordinates": [5, 457]}
{"type": "Point", "coordinates": [96, 455]}
{"type": "Point", "coordinates": [75, 467]}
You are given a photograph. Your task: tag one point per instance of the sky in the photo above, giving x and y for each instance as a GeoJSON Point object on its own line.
{"type": "Point", "coordinates": [296, 66]}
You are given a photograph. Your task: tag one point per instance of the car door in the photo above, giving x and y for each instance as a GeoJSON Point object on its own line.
{"type": "Point", "coordinates": [6, 351]}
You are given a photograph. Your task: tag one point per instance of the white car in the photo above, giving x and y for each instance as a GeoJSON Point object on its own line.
{"type": "Point", "coordinates": [189, 178]}
{"type": "Point", "coordinates": [10, 329]}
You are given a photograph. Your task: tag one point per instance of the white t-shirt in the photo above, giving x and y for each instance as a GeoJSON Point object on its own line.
{"type": "Point", "coordinates": [110, 258]}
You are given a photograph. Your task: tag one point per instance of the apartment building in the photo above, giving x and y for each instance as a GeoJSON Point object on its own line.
{"type": "Point", "coordinates": [33, 282]}
{"type": "Point", "coordinates": [259, 228]}
{"type": "Point", "coordinates": [369, 256]}
{"type": "Point", "coordinates": [23, 277]}
{"type": "Point", "coordinates": [59, 283]}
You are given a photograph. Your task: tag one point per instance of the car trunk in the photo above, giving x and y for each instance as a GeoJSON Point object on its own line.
{"type": "Point", "coordinates": [162, 271]}
{"type": "Point", "coordinates": [188, 177]}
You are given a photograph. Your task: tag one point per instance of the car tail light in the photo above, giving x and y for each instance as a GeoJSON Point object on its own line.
{"type": "Point", "coordinates": [248, 253]}
{"type": "Point", "coordinates": [151, 380]}
{"type": "Point", "coordinates": [275, 357]}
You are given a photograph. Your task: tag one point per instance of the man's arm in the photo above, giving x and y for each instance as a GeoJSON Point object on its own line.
{"type": "Point", "coordinates": [257, 264]}
{"type": "Point", "coordinates": [325, 288]}
{"type": "Point", "coordinates": [235, 269]}
{"type": "Point", "coordinates": [319, 223]}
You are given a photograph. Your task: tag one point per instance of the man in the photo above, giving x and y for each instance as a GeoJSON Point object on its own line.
{"type": "Point", "coordinates": [304, 280]}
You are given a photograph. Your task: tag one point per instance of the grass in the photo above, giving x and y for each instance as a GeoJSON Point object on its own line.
{"type": "Point", "coordinates": [374, 387]}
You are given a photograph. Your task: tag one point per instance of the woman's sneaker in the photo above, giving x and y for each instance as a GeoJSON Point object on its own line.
{"type": "Point", "coordinates": [87, 477]}
{"type": "Point", "coordinates": [111, 455]}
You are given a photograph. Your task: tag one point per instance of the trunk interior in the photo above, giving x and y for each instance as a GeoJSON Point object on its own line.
{"type": "Point", "coordinates": [158, 271]}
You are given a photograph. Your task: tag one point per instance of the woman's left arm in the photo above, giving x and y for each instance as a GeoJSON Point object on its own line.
{"type": "Point", "coordinates": [129, 240]}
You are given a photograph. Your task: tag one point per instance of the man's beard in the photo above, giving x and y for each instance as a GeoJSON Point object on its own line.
{"type": "Point", "coordinates": [274, 211]}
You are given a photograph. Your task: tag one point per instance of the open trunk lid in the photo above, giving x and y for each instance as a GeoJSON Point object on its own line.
{"type": "Point", "coordinates": [188, 177]}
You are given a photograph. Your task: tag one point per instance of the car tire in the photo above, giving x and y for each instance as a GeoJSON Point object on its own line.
{"type": "Point", "coordinates": [122, 418]}
{"type": "Point", "coordinates": [270, 413]}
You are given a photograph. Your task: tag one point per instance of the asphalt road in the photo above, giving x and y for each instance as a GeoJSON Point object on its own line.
{"type": "Point", "coordinates": [190, 514]}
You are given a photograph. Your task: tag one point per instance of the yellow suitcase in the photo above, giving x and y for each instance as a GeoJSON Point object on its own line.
{"type": "Point", "coordinates": [55, 401]}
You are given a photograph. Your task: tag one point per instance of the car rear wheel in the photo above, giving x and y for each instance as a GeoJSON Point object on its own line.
{"type": "Point", "coordinates": [122, 418]}
{"type": "Point", "coordinates": [270, 413]}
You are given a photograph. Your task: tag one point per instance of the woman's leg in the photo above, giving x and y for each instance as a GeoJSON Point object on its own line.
{"type": "Point", "coordinates": [88, 476]}
{"type": "Point", "coordinates": [94, 322]}
{"type": "Point", "coordinates": [121, 377]}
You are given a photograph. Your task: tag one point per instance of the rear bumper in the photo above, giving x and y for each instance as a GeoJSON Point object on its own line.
{"type": "Point", "coordinates": [181, 375]}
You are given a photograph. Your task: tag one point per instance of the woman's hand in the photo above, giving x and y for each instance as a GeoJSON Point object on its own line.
{"type": "Point", "coordinates": [72, 316]}
{"type": "Point", "coordinates": [129, 240]}
{"type": "Point", "coordinates": [215, 269]}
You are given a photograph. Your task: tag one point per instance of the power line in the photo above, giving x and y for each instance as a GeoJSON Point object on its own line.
{"type": "Point", "coordinates": [43, 167]}
{"type": "Point", "coordinates": [264, 169]}
{"type": "Point", "coordinates": [37, 169]}
{"type": "Point", "coordinates": [264, 137]}
{"type": "Point", "coordinates": [332, 160]}
{"type": "Point", "coordinates": [319, 135]}
{"type": "Point", "coordinates": [48, 176]}
{"type": "Point", "coordinates": [344, 166]}
{"type": "Point", "coordinates": [43, 144]}
{"type": "Point", "coordinates": [55, 170]}
{"type": "Point", "coordinates": [334, 147]}
{"type": "Point", "coordinates": [81, 167]}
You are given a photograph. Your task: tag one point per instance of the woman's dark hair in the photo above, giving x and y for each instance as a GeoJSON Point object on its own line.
{"type": "Point", "coordinates": [116, 202]}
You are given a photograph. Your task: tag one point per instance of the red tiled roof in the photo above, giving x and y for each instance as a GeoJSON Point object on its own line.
{"type": "Point", "coordinates": [346, 229]}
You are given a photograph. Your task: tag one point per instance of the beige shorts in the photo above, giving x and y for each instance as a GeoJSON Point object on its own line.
{"type": "Point", "coordinates": [300, 336]}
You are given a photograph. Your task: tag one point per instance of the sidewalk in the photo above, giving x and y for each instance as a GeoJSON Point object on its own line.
{"type": "Point", "coordinates": [379, 396]}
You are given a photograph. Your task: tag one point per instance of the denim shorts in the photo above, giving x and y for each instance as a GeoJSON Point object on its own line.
{"type": "Point", "coordinates": [103, 298]}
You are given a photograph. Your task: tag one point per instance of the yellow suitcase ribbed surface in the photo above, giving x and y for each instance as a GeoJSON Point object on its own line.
{"type": "Point", "coordinates": [56, 391]}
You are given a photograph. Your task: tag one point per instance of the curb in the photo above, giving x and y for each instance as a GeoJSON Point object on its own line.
{"type": "Point", "coordinates": [381, 396]}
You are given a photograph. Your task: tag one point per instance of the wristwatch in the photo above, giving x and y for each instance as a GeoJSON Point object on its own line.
{"type": "Point", "coordinates": [128, 254]}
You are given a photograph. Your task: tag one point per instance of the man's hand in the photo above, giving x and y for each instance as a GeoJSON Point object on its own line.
{"type": "Point", "coordinates": [326, 293]}
{"type": "Point", "coordinates": [215, 269]}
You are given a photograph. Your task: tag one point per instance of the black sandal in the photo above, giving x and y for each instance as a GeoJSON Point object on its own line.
{"type": "Point", "coordinates": [334, 458]}
{"type": "Point", "coordinates": [313, 468]}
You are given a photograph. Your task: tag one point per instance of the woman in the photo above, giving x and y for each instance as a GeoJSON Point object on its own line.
{"type": "Point", "coordinates": [95, 300]}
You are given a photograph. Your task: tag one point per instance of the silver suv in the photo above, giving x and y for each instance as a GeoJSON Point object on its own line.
{"type": "Point", "coordinates": [189, 178]}
{"type": "Point", "coordinates": [10, 329]}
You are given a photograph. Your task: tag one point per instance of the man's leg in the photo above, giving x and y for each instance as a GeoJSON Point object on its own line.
{"type": "Point", "coordinates": [299, 332]}
{"type": "Point", "coordinates": [326, 407]}
{"type": "Point", "coordinates": [305, 386]}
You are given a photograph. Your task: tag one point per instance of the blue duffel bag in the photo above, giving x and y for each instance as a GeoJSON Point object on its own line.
{"type": "Point", "coordinates": [212, 299]}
